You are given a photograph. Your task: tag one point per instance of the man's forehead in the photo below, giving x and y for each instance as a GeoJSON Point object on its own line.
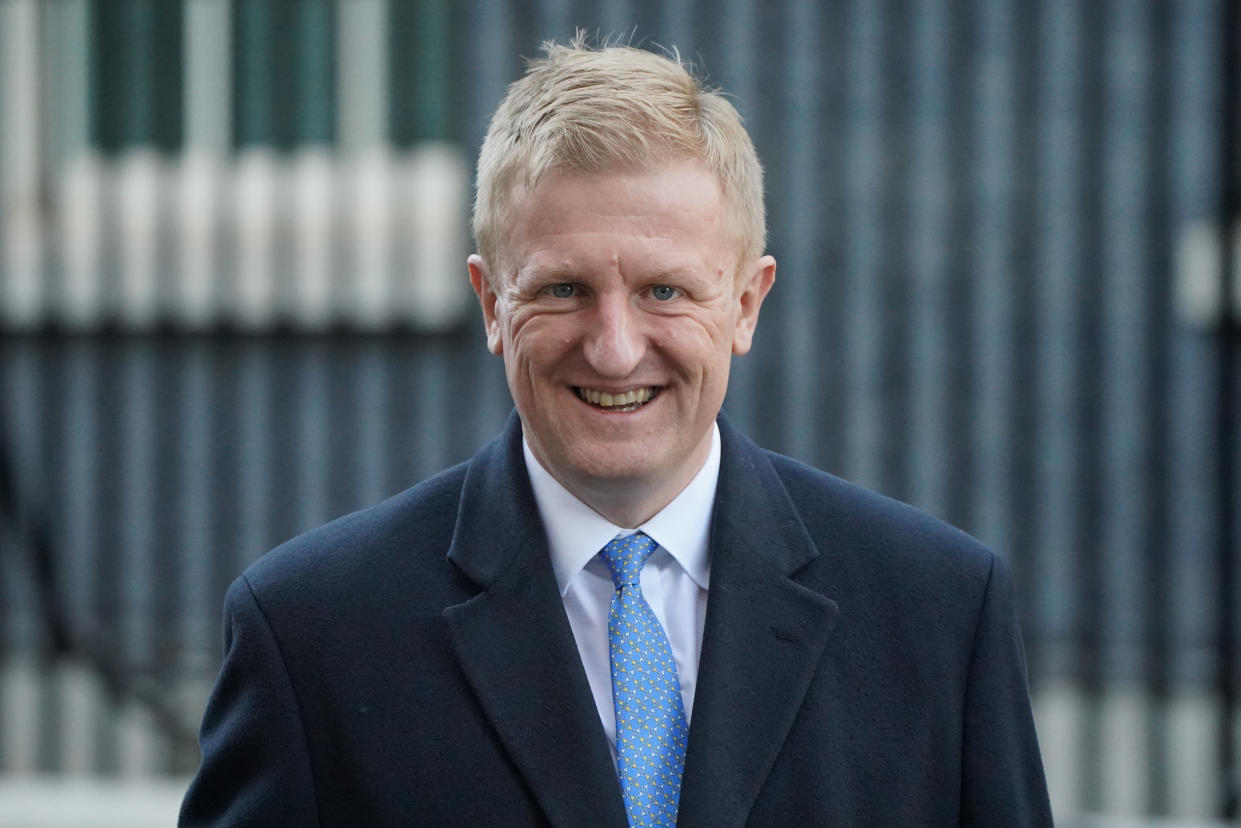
{"type": "Point", "coordinates": [519, 214]}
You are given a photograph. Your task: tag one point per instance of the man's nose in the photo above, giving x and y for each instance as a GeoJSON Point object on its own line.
{"type": "Point", "coordinates": [615, 344]}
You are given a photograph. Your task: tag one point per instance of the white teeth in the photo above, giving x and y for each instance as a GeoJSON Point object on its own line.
{"type": "Point", "coordinates": [637, 396]}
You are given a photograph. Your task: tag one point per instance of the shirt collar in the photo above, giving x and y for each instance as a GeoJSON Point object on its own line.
{"type": "Point", "coordinates": [576, 532]}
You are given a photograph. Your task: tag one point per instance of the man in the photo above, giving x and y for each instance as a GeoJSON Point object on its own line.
{"type": "Point", "coordinates": [498, 646]}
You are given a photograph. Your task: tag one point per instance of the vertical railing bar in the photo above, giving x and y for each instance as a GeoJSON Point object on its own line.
{"type": "Point", "coordinates": [800, 309]}
{"type": "Point", "coordinates": [1123, 390]}
{"type": "Point", "coordinates": [739, 75]}
{"type": "Point", "coordinates": [1227, 339]}
{"type": "Point", "coordinates": [1156, 622]}
{"type": "Point", "coordinates": [863, 251]}
{"type": "Point", "coordinates": [927, 258]}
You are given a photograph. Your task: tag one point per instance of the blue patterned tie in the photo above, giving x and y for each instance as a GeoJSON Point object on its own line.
{"type": "Point", "coordinates": [650, 717]}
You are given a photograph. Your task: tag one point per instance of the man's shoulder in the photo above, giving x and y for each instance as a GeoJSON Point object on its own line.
{"type": "Point", "coordinates": [408, 529]}
{"type": "Point", "coordinates": [885, 560]}
{"type": "Point", "coordinates": [878, 530]}
{"type": "Point", "coordinates": [818, 493]}
{"type": "Point", "coordinates": [833, 508]}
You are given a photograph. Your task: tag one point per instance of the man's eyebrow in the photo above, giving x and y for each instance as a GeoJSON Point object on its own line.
{"type": "Point", "coordinates": [567, 273]}
{"type": "Point", "coordinates": [542, 273]}
{"type": "Point", "coordinates": [673, 273]}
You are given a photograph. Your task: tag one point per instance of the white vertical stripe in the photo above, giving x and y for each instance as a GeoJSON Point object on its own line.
{"type": "Point", "coordinates": [1058, 713]}
{"type": "Point", "coordinates": [208, 75]}
{"type": "Point", "coordinates": [1126, 747]}
{"type": "Point", "coordinates": [21, 265]}
{"type": "Point", "coordinates": [1193, 775]}
{"type": "Point", "coordinates": [68, 77]}
{"type": "Point", "coordinates": [80, 697]}
{"type": "Point", "coordinates": [75, 173]}
{"type": "Point", "coordinates": [254, 222]}
{"type": "Point", "coordinates": [208, 137]}
{"type": "Point", "coordinates": [311, 189]}
{"type": "Point", "coordinates": [362, 129]}
{"type": "Point", "coordinates": [362, 74]}
{"type": "Point", "coordinates": [137, 754]}
{"type": "Point", "coordinates": [21, 229]}
{"type": "Point", "coordinates": [197, 218]}
{"type": "Point", "coordinates": [19, 95]}
{"type": "Point", "coordinates": [20, 689]}
{"type": "Point", "coordinates": [436, 182]}
{"type": "Point", "coordinates": [139, 172]}
{"type": "Point", "coordinates": [370, 234]}
{"type": "Point", "coordinates": [79, 205]}
{"type": "Point", "coordinates": [1198, 289]}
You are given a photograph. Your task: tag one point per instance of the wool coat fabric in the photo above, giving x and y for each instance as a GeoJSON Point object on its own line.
{"type": "Point", "coordinates": [412, 664]}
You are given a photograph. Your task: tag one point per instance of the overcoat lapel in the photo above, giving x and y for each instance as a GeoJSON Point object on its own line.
{"type": "Point", "coordinates": [514, 643]}
{"type": "Point", "coordinates": [764, 636]}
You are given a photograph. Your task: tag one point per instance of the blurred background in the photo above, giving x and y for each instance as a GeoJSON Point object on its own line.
{"type": "Point", "coordinates": [233, 305]}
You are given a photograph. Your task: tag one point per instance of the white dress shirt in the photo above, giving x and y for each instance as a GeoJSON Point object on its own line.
{"type": "Point", "coordinates": [674, 579]}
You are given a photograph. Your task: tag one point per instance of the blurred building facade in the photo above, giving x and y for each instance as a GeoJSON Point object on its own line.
{"type": "Point", "coordinates": [234, 305]}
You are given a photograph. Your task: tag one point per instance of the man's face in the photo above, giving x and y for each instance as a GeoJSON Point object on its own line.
{"type": "Point", "coordinates": [617, 309]}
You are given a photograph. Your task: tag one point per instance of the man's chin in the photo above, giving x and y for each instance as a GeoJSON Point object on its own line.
{"type": "Point", "coordinates": [612, 467]}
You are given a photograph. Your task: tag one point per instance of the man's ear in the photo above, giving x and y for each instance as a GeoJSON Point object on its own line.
{"type": "Point", "coordinates": [487, 299]}
{"type": "Point", "coordinates": [751, 292]}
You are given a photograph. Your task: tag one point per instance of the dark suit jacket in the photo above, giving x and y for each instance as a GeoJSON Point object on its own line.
{"type": "Point", "coordinates": [412, 664]}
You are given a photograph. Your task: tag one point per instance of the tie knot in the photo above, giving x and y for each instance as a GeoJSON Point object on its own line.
{"type": "Point", "coordinates": [626, 556]}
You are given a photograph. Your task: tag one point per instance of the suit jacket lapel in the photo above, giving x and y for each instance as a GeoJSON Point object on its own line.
{"type": "Point", "coordinates": [514, 643]}
{"type": "Point", "coordinates": [763, 638]}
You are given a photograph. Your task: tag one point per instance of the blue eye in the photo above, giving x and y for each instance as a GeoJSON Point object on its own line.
{"type": "Point", "coordinates": [563, 290]}
{"type": "Point", "coordinates": [663, 293]}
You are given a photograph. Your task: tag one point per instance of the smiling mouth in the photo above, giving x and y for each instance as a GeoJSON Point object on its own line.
{"type": "Point", "coordinates": [630, 400]}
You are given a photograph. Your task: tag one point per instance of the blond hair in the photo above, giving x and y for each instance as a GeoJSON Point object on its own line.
{"type": "Point", "coordinates": [613, 109]}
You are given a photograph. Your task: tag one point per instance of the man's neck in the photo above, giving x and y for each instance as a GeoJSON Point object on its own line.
{"type": "Point", "coordinates": [631, 501]}
{"type": "Point", "coordinates": [628, 503]}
